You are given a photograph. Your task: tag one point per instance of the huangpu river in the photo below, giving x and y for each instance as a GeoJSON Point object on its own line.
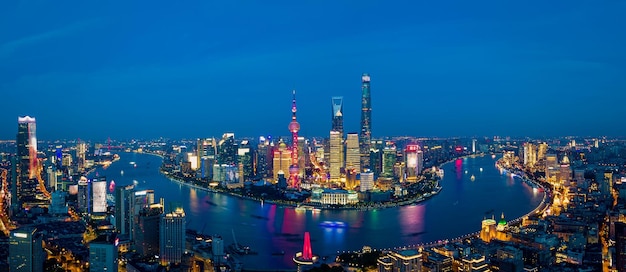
{"type": "Point", "coordinates": [267, 228]}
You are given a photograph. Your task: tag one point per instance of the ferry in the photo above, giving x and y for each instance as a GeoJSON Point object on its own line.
{"type": "Point", "coordinates": [334, 224]}
{"type": "Point", "coordinates": [302, 208]}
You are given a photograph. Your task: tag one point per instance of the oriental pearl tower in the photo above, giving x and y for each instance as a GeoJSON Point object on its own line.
{"type": "Point", "coordinates": [294, 127]}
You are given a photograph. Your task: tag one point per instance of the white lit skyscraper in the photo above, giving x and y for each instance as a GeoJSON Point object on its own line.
{"type": "Point", "coordinates": [336, 155]}
{"type": "Point", "coordinates": [172, 237]}
{"type": "Point", "coordinates": [353, 158]}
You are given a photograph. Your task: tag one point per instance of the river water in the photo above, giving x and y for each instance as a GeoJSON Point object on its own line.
{"type": "Point", "coordinates": [457, 210]}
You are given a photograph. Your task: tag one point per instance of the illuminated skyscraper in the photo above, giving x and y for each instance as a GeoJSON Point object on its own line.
{"type": "Point", "coordinates": [98, 196]}
{"type": "Point", "coordinates": [414, 161]}
{"type": "Point", "coordinates": [366, 122]}
{"type": "Point", "coordinates": [294, 127]}
{"type": "Point", "coordinates": [81, 152]}
{"type": "Point", "coordinates": [172, 237]}
{"type": "Point", "coordinates": [353, 159]}
{"type": "Point", "coordinates": [227, 150]}
{"type": "Point", "coordinates": [282, 160]}
{"type": "Point", "coordinates": [389, 160]}
{"type": "Point", "coordinates": [263, 158]}
{"type": "Point", "coordinates": [244, 158]}
{"type": "Point", "coordinates": [336, 155]}
{"type": "Point", "coordinates": [148, 229]}
{"type": "Point", "coordinates": [337, 113]}
{"type": "Point", "coordinates": [367, 181]}
{"type": "Point", "coordinates": [27, 157]}
{"type": "Point", "coordinates": [123, 196]}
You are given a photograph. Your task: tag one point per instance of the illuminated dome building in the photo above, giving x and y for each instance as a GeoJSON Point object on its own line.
{"type": "Point", "coordinates": [488, 229]}
{"type": "Point", "coordinates": [502, 224]}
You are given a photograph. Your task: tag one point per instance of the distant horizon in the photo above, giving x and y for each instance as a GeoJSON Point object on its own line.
{"type": "Point", "coordinates": [456, 68]}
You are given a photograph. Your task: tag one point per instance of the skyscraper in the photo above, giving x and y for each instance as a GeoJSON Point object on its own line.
{"type": "Point", "coordinates": [245, 165]}
{"type": "Point", "coordinates": [282, 160]}
{"type": "Point", "coordinates": [294, 127]}
{"type": "Point", "coordinates": [336, 155]}
{"type": "Point", "coordinates": [103, 254]}
{"type": "Point", "coordinates": [227, 150]}
{"type": "Point", "coordinates": [262, 158]}
{"type": "Point", "coordinates": [414, 161]}
{"type": "Point", "coordinates": [123, 195]}
{"type": "Point", "coordinates": [337, 113]}
{"type": "Point", "coordinates": [172, 236]}
{"type": "Point", "coordinates": [27, 157]}
{"type": "Point", "coordinates": [389, 160]}
{"type": "Point", "coordinates": [148, 229]}
{"type": "Point", "coordinates": [26, 250]}
{"type": "Point", "coordinates": [353, 159]}
{"type": "Point", "coordinates": [366, 122]}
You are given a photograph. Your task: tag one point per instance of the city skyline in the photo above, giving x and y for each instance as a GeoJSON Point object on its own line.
{"type": "Point", "coordinates": [200, 70]}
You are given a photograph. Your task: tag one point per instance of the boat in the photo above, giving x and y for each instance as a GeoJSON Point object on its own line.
{"type": "Point", "coordinates": [237, 248]}
{"type": "Point", "coordinates": [301, 208]}
{"type": "Point", "coordinates": [334, 224]}
{"type": "Point", "coordinates": [122, 172]}
{"type": "Point", "coordinates": [472, 178]}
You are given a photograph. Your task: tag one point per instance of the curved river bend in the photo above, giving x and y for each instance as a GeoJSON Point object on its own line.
{"type": "Point", "coordinates": [457, 210]}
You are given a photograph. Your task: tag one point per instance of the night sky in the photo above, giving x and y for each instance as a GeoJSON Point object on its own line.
{"type": "Point", "coordinates": [94, 70]}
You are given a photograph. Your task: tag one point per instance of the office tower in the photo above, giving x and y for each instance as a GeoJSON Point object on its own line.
{"type": "Point", "coordinates": [282, 159]}
{"type": "Point", "coordinates": [245, 165]}
{"type": "Point", "coordinates": [99, 195]}
{"type": "Point", "coordinates": [605, 182]}
{"type": "Point", "coordinates": [353, 158]}
{"type": "Point", "coordinates": [389, 160]}
{"type": "Point", "coordinates": [336, 155]}
{"type": "Point", "coordinates": [262, 157]}
{"type": "Point", "coordinates": [172, 236]}
{"type": "Point", "coordinates": [206, 156]}
{"type": "Point", "coordinates": [138, 201]}
{"type": "Point", "coordinates": [413, 161]}
{"type": "Point", "coordinates": [565, 172]}
{"type": "Point", "coordinates": [552, 168]}
{"type": "Point", "coordinates": [474, 263]}
{"type": "Point", "coordinates": [227, 150]}
{"type": "Point", "coordinates": [26, 250]}
{"type": "Point", "coordinates": [81, 152]}
{"type": "Point", "coordinates": [542, 151]}
{"type": "Point", "coordinates": [123, 195]}
{"type": "Point", "coordinates": [103, 254]}
{"type": "Point", "coordinates": [376, 161]}
{"type": "Point", "coordinates": [530, 154]}
{"type": "Point", "coordinates": [27, 157]}
{"type": "Point", "coordinates": [148, 229]}
{"type": "Point", "coordinates": [83, 194]}
{"type": "Point", "coordinates": [294, 127]}
{"type": "Point", "coordinates": [337, 114]}
{"type": "Point", "coordinates": [367, 181]}
{"type": "Point", "coordinates": [366, 122]}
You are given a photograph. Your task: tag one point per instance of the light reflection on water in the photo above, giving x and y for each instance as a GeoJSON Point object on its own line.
{"type": "Point", "coordinates": [457, 210]}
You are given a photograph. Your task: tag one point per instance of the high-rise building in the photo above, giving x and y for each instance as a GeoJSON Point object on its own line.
{"type": "Point", "coordinates": [148, 229]}
{"type": "Point", "coordinates": [26, 250]}
{"type": "Point", "coordinates": [81, 152]}
{"type": "Point", "coordinates": [245, 164]}
{"type": "Point", "coordinates": [620, 246]}
{"type": "Point", "coordinates": [172, 237]}
{"type": "Point", "coordinates": [263, 157]}
{"type": "Point", "coordinates": [337, 114]}
{"type": "Point", "coordinates": [99, 195]}
{"type": "Point", "coordinates": [294, 127]}
{"type": "Point", "coordinates": [282, 159]}
{"type": "Point", "coordinates": [206, 155]}
{"type": "Point", "coordinates": [227, 150]}
{"type": "Point", "coordinates": [389, 160]}
{"type": "Point", "coordinates": [123, 217]}
{"type": "Point", "coordinates": [367, 181]}
{"type": "Point", "coordinates": [376, 161]}
{"type": "Point", "coordinates": [27, 157]}
{"type": "Point", "coordinates": [336, 155]}
{"type": "Point", "coordinates": [353, 158]}
{"type": "Point", "coordinates": [366, 122]}
{"type": "Point", "coordinates": [138, 201]}
{"type": "Point", "coordinates": [414, 161]}
{"type": "Point", "coordinates": [84, 195]}
{"type": "Point", "coordinates": [103, 254]}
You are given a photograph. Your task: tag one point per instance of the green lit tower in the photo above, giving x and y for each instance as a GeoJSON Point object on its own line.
{"type": "Point", "coordinates": [366, 122]}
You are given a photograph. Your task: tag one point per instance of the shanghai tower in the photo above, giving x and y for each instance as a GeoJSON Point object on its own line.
{"type": "Point", "coordinates": [366, 122]}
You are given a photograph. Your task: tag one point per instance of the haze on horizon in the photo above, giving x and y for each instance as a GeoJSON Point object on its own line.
{"type": "Point", "coordinates": [94, 70]}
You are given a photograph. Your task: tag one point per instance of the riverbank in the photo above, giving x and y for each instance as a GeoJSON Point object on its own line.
{"type": "Point", "coordinates": [362, 206]}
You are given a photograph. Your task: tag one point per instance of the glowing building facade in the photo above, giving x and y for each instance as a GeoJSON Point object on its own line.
{"type": "Point", "coordinates": [414, 161]}
{"type": "Point", "coordinates": [353, 159]}
{"type": "Point", "coordinates": [337, 113]}
{"type": "Point", "coordinates": [26, 169]}
{"type": "Point", "coordinates": [335, 159]}
{"type": "Point", "coordinates": [172, 237]}
{"type": "Point", "coordinates": [26, 250]}
{"type": "Point", "coordinates": [281, 160]}
{"type": "Point", "coordinates": [366, 122]}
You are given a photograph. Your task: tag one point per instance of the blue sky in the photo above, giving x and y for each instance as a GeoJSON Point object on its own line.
{"type": "Point", "coordinates": [92, 70]}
